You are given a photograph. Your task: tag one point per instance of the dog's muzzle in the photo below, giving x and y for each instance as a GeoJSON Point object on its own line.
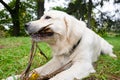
{"type": "Point", "coordinates": [41, 33]}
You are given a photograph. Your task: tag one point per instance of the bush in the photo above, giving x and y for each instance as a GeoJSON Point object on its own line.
{"type": "Point", "coordinates": [4, 33]}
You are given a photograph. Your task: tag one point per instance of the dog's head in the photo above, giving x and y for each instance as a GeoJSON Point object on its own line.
{"type": "Point", "coordinates": [52, 26]}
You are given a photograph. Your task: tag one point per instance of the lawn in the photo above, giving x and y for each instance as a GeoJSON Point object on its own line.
{"type": "Point", "coordinates": [14, 54]}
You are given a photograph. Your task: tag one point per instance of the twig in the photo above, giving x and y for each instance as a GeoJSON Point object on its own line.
{"type": "Point", "coordinates": [25, 74]}
{"type": "Point", "coordinates": [48, 76]}
{"type": "Point", "coordinates": [41, 52]}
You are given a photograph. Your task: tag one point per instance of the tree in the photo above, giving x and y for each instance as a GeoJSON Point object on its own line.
{"type": "Point", "coordinates": [20, 13]}
{"type": "Point", "coordinates": [90, 6]}
{"type": "Point", "coordinates": [14, 12]}
{"type": "Point", "coordinates": [81, 9]}
{"type": "Point", "coordinates": [40, 8]}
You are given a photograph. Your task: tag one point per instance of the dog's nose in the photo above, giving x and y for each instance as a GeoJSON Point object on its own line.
{"type": "Point", "coordinates": [26, 26]}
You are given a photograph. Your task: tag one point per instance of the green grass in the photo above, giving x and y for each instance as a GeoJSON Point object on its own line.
{"type": "Point", "coordinates": [14, 54]}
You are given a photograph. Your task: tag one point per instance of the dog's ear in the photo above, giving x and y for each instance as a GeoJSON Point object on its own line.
{"type": "Point", "coordinates": [68, 25]}
{"type": "Point", "coordinates": [74, 28]}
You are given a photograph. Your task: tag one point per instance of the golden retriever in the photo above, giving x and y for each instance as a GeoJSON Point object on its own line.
{"type": "Point", "coordinates": [70, 39]}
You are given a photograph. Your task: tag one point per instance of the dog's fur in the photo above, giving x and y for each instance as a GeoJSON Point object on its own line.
{"type": "Point", "coordinates": [67, 31]}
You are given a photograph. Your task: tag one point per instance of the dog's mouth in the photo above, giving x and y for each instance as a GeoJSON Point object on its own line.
{"type": "Point", "coordinates": [43, 33]}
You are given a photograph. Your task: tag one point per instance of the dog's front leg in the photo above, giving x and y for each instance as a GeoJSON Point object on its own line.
{"type": "Point", "coordinates": [49, 67]}
{"type": "Point", "coordinates": [77, 71]}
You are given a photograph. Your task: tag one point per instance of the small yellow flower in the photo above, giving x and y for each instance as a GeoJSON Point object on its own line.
{"type": "Point", "coordinates": [34, 76]}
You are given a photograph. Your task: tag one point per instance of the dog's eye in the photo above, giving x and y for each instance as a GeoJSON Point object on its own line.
{"type": "Point", "coordinates": [47, 17]}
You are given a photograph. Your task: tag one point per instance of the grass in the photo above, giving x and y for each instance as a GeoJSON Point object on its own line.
{"type": "Point", "coordinates": [14, 54]}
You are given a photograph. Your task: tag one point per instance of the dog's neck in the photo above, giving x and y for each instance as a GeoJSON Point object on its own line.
{"type": "Point", "coordinates": [65, 48]}
{"type": "Point", "coordinates": [75, 46]}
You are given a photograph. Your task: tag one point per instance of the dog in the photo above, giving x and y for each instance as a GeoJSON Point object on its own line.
{"type": "Point", "coordinates": [70, 39]}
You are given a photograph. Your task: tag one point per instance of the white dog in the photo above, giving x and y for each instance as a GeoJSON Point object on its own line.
{"type": "Point", "coordinates": [70, 39]}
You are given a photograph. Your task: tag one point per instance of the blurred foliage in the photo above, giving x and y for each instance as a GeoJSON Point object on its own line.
{"type": "Point", "coordinates": [2, 32]}
{"type": "Point", "coordinates": [101, 25]}
{"type": "Point", "coordinates": [79, 8]}
{"type": "Point", "coordinates": [27, 12]}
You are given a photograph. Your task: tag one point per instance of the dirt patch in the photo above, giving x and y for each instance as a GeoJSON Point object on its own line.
{"type": "Point", "coordinates": [2, 46]}
{"type": "Point", "coordinates": [113, 77]}
{"type": "Point", "coordinates": [9, 46]}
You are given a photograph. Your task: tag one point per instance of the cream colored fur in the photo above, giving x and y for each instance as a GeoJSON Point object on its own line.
{"type": "Point", "coordinates": [68, 30]}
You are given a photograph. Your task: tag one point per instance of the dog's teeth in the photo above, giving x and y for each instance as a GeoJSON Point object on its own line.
{"type": "Point", "coordinates": [49, 30]}
{"type": "Point", "coordinates": [46, 28]}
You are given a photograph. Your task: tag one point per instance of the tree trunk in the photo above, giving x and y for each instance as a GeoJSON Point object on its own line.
{"type": "Point", "coordinates": [16, 24]}
{"type": "Point", "coordinates": [89, 13]}
{"type": "Point", "coordinates": [14, 15]}
{"type": "Point", "coordinates": [40, 8]}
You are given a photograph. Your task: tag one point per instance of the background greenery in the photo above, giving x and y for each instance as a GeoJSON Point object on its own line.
{"type": "Point", "coordinates": [14, 54]}
{"type": "Point", "coordinates": [18, 12]}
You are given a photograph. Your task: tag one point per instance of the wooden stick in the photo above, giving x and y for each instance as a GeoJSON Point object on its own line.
{"type": "Point", "coordinates": [41, 52]}
{"type": "Point", "coordinates": [25, 74]}
{"type": "Point", "coordinates": [48, 76]}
